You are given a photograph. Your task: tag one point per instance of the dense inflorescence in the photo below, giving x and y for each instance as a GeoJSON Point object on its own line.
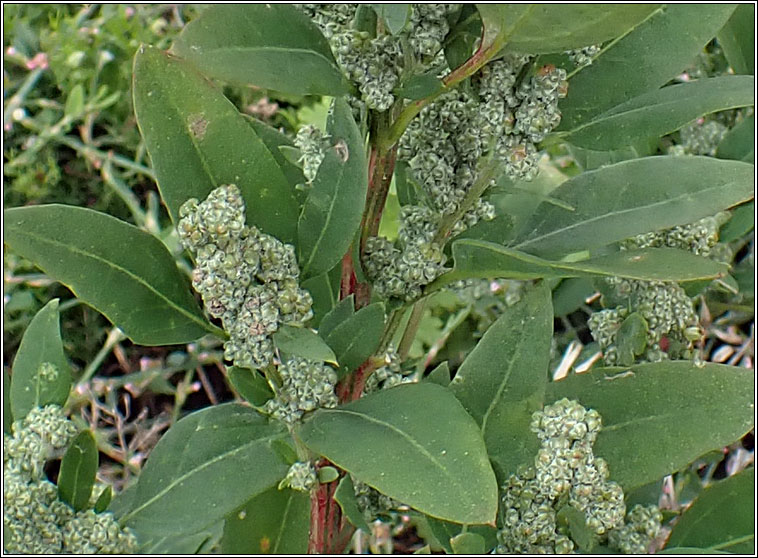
{"type": "Point", "coordinates": [306, 386]}
{"type": "Point", "coordinates": [389, 375]}
{"type": "Point", "coordinates": [565, 473]}
{"type": "Point", "coordinates": [35, 521]}
{"type": "Point", "coordinates": [302, 476]}
{"type": "Point", "coordinates": [643, 523]}
{"type": "Point", "coordinates": [701, 137]}
{"type": "Point", "coordinates": [581, 57]}
{"type": "Point", "coordinates": [371, 502]}
{"type": "Point", "coordinates": [247, 278]}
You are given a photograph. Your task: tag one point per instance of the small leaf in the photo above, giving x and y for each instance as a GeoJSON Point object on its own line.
{"type": "Point", "coordinates": [741, 223]}
{"type": "Point", "coordinates": [406, 189]}
{"type": "Point", "coordinates": [104, 500]}
{"type": "Point", "coordinates": [303, 342]}
{"type": "Point", "coordinates": [78, 470]}
{"type": "Point", "coordinates": [140, 290]}
{"type": "Point", "coordinates": [325, 291]}
{"type": "Point", "coordinates": [41, 374]}
{"type": "Point", "coordinates": [420, 86]}
{"type": "Point", "coordinates": [576, 522]}
{"type": "Point", "coordinates": [278, 144]}
{"type": "Point", "coordinates": [468, 543]}
{"type": "Point", "coordinates": [274, 522]}
{"type": "Point", "coordinates": [444, 471]}
{"type": "Point", "coordinates": [738, 144]}
{"type": "Point", "coordinates": [440, 375]}
{"type": "Point", "coordinates": [631, 338]}
{"type": "Point", "coordinates": [571, 294]}
{"type": "Point", "coordinates": [345, 497]}
{"type": "Point", "coordinates": [396, 16]}
{"type": "Point", "coordinates": [250, 384]}
{"type": "Point", "coordinates": [722, 518]}
{"type": "Point", "coordinates": [356, 339]}
{"type": "Point", "coordinates": [341, 312]}
{"type": "Point", "coordinates": [75, 102]}
{"type": "Point", "coordinates": [271, 46]}
{"type": "Point", "coordinates": [327, 474]}
{"type": "Point", "coordinates": [737, 38]}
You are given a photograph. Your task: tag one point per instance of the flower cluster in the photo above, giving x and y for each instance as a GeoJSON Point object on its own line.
{"type": "Point", "coordinates": [371, 502]}
{"type": "Point", "coordinates": [247, 278]}
{"type": "Point", "coordinates": [302, 476]}
{"type": "Point", "coordinates": [701, 137]}
{"type": "Point", "coordinates": [565, 473]}
{"type": "Point", "coordinates": [643, 523]}
{"type": "Point", "coordinates": [306, 386]}
{"type": "Point", "coordinates": [34, 520]}
{"type": "Point", "coordinates": [581, 57]}
{"type": "Point", "coordinates": [699, 237]}
{"type": "Point", "coordinates": [387, 376]}
{"type": "Point", "coordinates": [313, 145]}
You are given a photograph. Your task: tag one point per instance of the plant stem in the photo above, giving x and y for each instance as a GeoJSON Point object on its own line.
{"type": "Point", "coordinates": [411, 328]}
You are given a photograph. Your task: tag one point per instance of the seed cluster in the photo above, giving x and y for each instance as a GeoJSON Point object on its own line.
{"type": "Point", "coordinates": [302, 476]}
{"type": "Point", "coordinates": [387, 376]}
{"type": "Point", "coordinates": [581, 57]}
{"type": "Point", "coordinates": [247, 278]}
{"type": "Point", "coordinates": [34, 520]}
{"type": "Point", "coordinates": [371, 502]}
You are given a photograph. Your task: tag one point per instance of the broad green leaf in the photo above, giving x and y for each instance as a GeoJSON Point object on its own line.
{"type": "Point", "coordinates": [663, 111]}
{"type": "Point", "coordinates": [502, 381]}
{"type": "Point", "coordinates": [737, 39]}
{"type": "Point", "coordinates": [440, 375]}
{"type": "Point", "coordinates": [741, 223]}
{"type": "Point", "coordinates": [468, 543]}
{"type": "Point", "coordinates": [198, 141]}
{"type": "Point", "coordinates": [341, 312]}
{"type": "Point", "coordinates": [356, 339]}
{"type": "Point", "coordinates": [634, 197]}
{"type": "Point", "coordinates": [345, 497]}
{"type": "Point", "coordinates": [303, 342]}
{"type": "Point", "coordinates": [275, 142]}
{"type": "Point", "coordinates": [480, 259]}
{"type": "Point", "coordinates": [104, 500]}
{"type": "Point", "coordinates": [333, 209]}
{"type": "Point", "coordinates": [41, 374]}
{"type": "Point", "coordinates": [206, 466]}
{"type": "Point", "coordinates": [590, 159]}
{"type": "Point", "coordinates": [120, 270]}
{"type": "Point", "coordinates": [78, 470]}
{"type": "Point", "coordinates": [739, 143]}
{"type": "Point", "coordinates": [644, 59]}
{"type": "Point", "coordinates": [651, 430]}
{"type": "Point", "coordinates": [396, 16]}
{"type": "Point", "coordinates": [441, 469]}
{"type": "Point", "coordinates": [272, 46]}
{"type": "Point", "coordinates": [721, 518]}
{"type": "Point", "coordinates": [543, 28]}
{"type": "Point", "coordinates": [274, 522]}
{"type": "Point", "coordinates": [250, 384]}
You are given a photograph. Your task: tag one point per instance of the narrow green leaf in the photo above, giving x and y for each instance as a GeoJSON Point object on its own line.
{"type": "Point", "coordinates": [631, 338]}
{"type": "Point", "coordinates": [544, 28]}
{"type": "Point", "coordinates": [356, 339]}
{"type": "Point", "coordinates": [182, 544]}
{"type": "Point", "coordinates": [78, 470]}
{"type": "Point", "coordinates": [396, 16]}
{"type": "Point", "coordinates": [440, 375]}
{"type": "Point", "coordinates": [325, 291]}
{"type": "Point", "coordinates": [468, 543]}
{"type": "Point", "coordinates": [633, 197]}
{"type": "Point", "coordinates": [571, 294]}
{"type": "Point", "coordinates": [197, 141]}
{"type": "Point", "coordinates": [406, 189]}
{"type": "Point", "coordinates": [444, 471]}
{"type": "Point", "coordinates": [739, 142]}
{"type": "Point", "coordinates": [277, 142]}
{"type": "Point", "coordinates": [104, 500]}
{"type": "Point", "coordinates": [345, 497]}
{"type": "Point", "coordinates": [420, 86]}
{"type": "Point", "coordinates": [272, 46]}
{"type": "Point", "coordinates": [644, 59]}
{"type": "Point", "coordinates": [75, 102]}
{"type": "Point", "coordinates": [721, 518]}
{"type": "Point", "coordinates": [341, 312]}
{"type": "Point", "coordinates": [737, 38]}
{"type": "Point", "coordinates": [206, 466]}
{"type": "Point", "coordinates": [741, 223]}
{"type": "Point", "coordinates": [41, 374]}
{"type": "Point", "coordinates": [7, 411]}
{"type": "Point", "coordinates": [651, 430]}
{"type": "Point", "coordinates": [333, 209]}
{"type": "Point", "coordinates": [250, 384]}
{"type": "Point", "coordinates": [303, 342]}
{"type": "Point", "coordinates": [502, 381]}
{"type": "Point", "coordinates": [480, 259]}
{"type": "Point", "coordinates": [660, 112]}
{"type": "Point", "coordinates": [575, 521]}
{"type": "Point", "coordinates": [274, 522]}
{"type": "Point", "coordinates": [140, 289]}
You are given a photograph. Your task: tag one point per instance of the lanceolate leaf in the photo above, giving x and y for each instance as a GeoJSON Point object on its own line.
{"type": "Point", "coordinates": [356, 338]}
{"type": "Point", "coordinates": [659, 417]}
{"type": "Point", "coordinates": [78, 470]}
{"type": "Point", "coordinates": [332, 212]}
{"type": "Point", "coordinates": [250, 384]}
{"type": "Point", "coordinates": [345, 497]}
{"type": "Point", "coordinates": [502, 381]}
{"type": "Point", "coordinates": [663, 111]}
{"type": "Point", "coordinates": [415, 443]}
{"type": "Point", "coordinates": [737, 38]}
{"type": "Point", "coordinates": [274, 141]}
{"type": "Point", "coordinates": [31, 384]}
{"type": "Point", "coordinates": [198, 141]}
{"type": "Point", "coordinates": [739, 143]}
{"type": "Point", "coordinates": [633, 197]}
{"type": "Point", "coordinates": [120, 270]}
{"type": "Point", "coordinates": [644, 59]}
{"type": "Point", "coordinates": [206, 466]}
{"type": "Point", "coordinates": [303, 342]}
{"type": "Point", "coordinates": [272, 46]}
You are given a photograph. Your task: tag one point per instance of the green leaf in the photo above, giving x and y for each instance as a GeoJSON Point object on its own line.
{"type": "Point", "coordinates": [333, 209]}
{"type": "Point", "coordinates": [274, 522]}
{"type": "Point", "coordinates": [272, 46]}
{"type": "Point", "coordinates": [651, 430]}
{"type": "Point", "coordinates": [277, 142]}
{"type": "Point", "coordinates": [690, 550]}
{"type": "Point", "coordinates": [406, 189]}
{"type": "Point", "coordinates": [575, 520]}
{"type": "Point", "coordinates": [104, 500]}
{"type": "Point", "coordinates": [739, 142]}
{"type": "Point", "coordinates": [444, 470]}
{"type": "Point", "coordinates": [737, 39]}
{"type": "Point", "coordinates": [193, 543]}
{"type": "Point", "coordinates": [75, 102]}
{"type": "Point", "coordinates": [78, 470]}
{"type": "Point", "coordinates": [356, 339]}
{"type": "Point", "coordinates": [480, 259]}
{"type": "Point", "coordinates": [396, 16]}
{"type": "Point", "coordinates": [198, 141]}
{"type": "Point", "coordinates": [7, 412]}
{"type": "Point", "coordinates": [741, 223]}
{"type": "Point", "coordinates": [250, 384]}
{"type": "Point", "coordinates": [341, 312]}
{"type": "Point", "coordinates": [120, 270]}
{"type": "Point", "coordinates": [660, 112]}
{"type": "Point", "coordinates": [303, 342]}
{"type": "Point", "coordinates": [444, 531]}
{"type": "Point", "coordinates": [634, 197]}
{"type": "Point", "coordinates": [544, 28]}
{"type": "Point", "coordinates": [721, 518]}
{"type": "Point", "coordinates": [325, 291]}
{"type": "Point", "coordinates": [502, 381]}
{"type": "Point", "coordinates": [33, 385]}
{"type": "Point", "coordinates": [631, 338]}
{"type": "Point", "coordinates": [468, 543]}
{"type": "Point", "coordinates": [440, 375]}
{"type": "Point", "coordinates": [345, 497]}
{"type": "Point", "coordinates": [420, 86]}
{"type": "Point", "coordinates": [644, 59]}
{"type": "Point", "coordinates": [206, 466]}
{"type": "Point", "coordinates": [571, 294]}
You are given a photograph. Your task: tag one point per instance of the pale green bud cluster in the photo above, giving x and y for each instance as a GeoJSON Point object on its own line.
{"type": "Point", "coordinates": [698, 237]}
{"type": "Point", "coordinates": [428, 29]}
{"type": "Point", "coordinates": [34, 520]}
{"type": "Point", "coordinates": [389, 375]}
{"type": "Point", "coordinates": [643, 523]}
{"type": "Point", "coordinates": [313, 145]}
{"type": "Point", "coordinates": [302, 476]}
{"type": "Point", "coordinates": [247, 278]}
{"type": "Point", "coordinates": [306, 386]}
{"type": "Point", "coordinates": [701, 137]}
{"type": "Point", "coordinates": [581, 57]}
{"type": "Point", "coordinates": [371, 502]}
